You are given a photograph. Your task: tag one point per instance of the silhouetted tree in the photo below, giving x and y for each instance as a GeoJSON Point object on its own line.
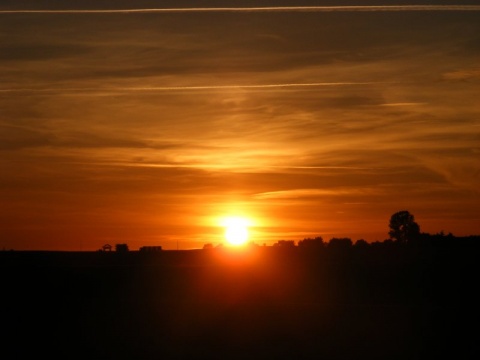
{"type": "Point", "coordinates": [308, 243]}
{"type": "Point", "coordinates": [361, 244]}
{"type": "Point", "coordinates": [403, 227]}
{"type": "Point", "coordinates": [340, 243]}
{"type": "Point", "coordinates": [150, 249]}
{"type": "Point", "coordinates": [285, 243]}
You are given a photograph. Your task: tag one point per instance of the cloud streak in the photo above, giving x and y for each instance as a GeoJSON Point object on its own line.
{"type": "Point", "coordinates": [256, 9]}
{"type": "Point", "coordinates": [109, 91]}
{"type": "Point", "coordinates": [302, 193]}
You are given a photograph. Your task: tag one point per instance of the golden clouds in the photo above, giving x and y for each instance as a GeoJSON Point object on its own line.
{"type": "Point", "coordinates": [156, 120]}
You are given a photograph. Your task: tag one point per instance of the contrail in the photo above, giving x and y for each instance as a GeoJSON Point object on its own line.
{"type": "Point", "coordinates": [257, 9]}
{"type": "Point", "coordinates": [181, 88]}
{"type": "Point", "coordinates": [233, 87]}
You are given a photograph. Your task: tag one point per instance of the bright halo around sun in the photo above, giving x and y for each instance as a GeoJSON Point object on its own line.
{"type": "Point", "coordinates": [236, 230]}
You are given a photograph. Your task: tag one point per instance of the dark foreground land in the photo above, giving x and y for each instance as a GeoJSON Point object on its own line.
{"type": "Point", "coordinates": [261, 303]}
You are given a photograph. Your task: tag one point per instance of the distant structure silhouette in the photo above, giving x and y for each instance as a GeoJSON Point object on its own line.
{"type": "Point", "coordinates": [106, 247]}
{"type": "Point", "coordinates": [121, 248]}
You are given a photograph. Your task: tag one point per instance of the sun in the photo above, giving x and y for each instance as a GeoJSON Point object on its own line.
{"type": "Point", "coordinates": [236, 230]}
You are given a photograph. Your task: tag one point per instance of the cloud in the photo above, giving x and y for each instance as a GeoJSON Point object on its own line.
{"type": "Point", "coordinates": [463, 74]}
{"type": "Point", "coordinates": [299, 114]}
{"type": "Point", "coordinates": [305, 193]}
{"type": "Point", "coordinates": [40, 52]}
{"type": "Point", "coordinates": [13, 138]}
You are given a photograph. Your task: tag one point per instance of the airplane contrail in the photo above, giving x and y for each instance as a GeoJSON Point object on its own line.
{"type": "Point", "coordinates": [362, 8]}
{"type": "Point", "coordinates": [180, 88]}
{"type": "Point", "coordinates": [261, 86]}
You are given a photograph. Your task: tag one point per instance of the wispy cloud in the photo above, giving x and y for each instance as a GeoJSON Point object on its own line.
{"type": "Point", "coordinates": [463, 74]}
{"type": "Point", "coordinates": [403, 104]}
{"type": "Point", "coordinates": [303, 193]}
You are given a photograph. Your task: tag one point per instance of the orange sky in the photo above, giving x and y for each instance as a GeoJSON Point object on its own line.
{"type": "Point", "coordinates": [146, 127]}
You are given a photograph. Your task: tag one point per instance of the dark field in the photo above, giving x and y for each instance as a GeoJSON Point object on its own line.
{"type": "Point", "coordinates": [264, 303]}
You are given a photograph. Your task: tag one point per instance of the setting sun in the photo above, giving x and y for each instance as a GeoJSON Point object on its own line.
{"type": "Point", "coordinates": [236, 230]}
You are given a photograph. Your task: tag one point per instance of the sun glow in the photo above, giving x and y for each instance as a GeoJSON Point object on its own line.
{"type": "Point", "coordinates": [236, 230]}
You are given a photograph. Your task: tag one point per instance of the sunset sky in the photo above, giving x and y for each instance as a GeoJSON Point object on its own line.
{"type": "Point", "coordinates": [147, 127]}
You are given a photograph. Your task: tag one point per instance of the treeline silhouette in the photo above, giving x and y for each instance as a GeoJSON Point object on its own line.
{"type": "Point", "coordinates": [404, 232]}
{"type": "Point", "coordinates": [412, 296]}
